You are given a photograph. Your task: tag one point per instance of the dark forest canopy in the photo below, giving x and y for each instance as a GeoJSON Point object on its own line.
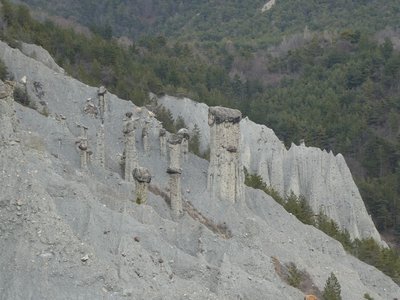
{"type": "Point", "coordinates": [214, 20]}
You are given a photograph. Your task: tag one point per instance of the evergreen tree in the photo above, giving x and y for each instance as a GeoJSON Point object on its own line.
{"type": "Point", "coordinates": [332, 289]}
{"type": "Point", "coordinates": [180, 123]}
{"type": "Point", "coordinates": [194, 142]}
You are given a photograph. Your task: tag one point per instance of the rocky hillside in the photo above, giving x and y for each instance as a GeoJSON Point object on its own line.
{"type": "Point", "coordinates": [308, 87]}
{"type": "Point", "coordinates": [71, 228]}
{"type": "Point", "coordinates": [323, 178]}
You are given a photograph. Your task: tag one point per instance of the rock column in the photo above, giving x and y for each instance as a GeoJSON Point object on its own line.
{"type": "Point", "coordinates": [145, 136]}
{"type": "Point", "coordinates": [184, 133]}
{"type": "Point", "coordinates": [101, 93]}
{"type": "Point", "coordinates": [142, 178]}
{"type": "Point", "coordinates": [174, 170]}
{"type": "Point", "coordinates": [163, 141]}
{"type": "Point", "coordinates": [130, 155]}
{"type": "Point", "coordinates": [7, 117]}
{"type": "Point", "coordinates": [100, 147]}
{"type": "Point", "coordinates": [225, 172]}
{"type": "Point", "coordinates": [83, 147]}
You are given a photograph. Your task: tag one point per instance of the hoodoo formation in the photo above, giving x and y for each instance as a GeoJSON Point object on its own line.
{"type": "Point", "coordinates": [142, 179]}
{"type": "Point", "coordinates": [130, 155]}
{"type": "Point", "coordinates": [225, 172]}
{"type": "Point", "coordinates": [175, 171]}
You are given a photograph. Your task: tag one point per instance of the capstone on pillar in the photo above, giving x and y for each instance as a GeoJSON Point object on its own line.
{"type": "Point", "coordinates": [83, 147]}
{"type": "Point", "coordinates": [175, 149]}
{"type": "Point", "coordinates": [142, 178]}
{"type": "Point", "coordinates": [101, 93]}
{"type": "Point", "coordinates": [174, 170]}
{"type": "Point", "coordinates": [130, 155]}
{"type": "Point", "coordinates": [225, 172]}
{"type": "Point", "coordinates": [184, 133]}
{"type": "Point", "coordinates": [7, 113]}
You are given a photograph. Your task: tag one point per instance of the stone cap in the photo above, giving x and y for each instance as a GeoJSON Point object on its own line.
{"type": "Point", "coordinates": [83, 145]}
{"type": "Point", "coordinates": [184, 133]}
{"type": "Point", "coordinates": [141, 174]}
{"type": "Point", "coordinates": [82, 126]}
{"type": "Point", "coordinates": [174, 171]}
{"type": "Point", "coordinates": [219, 114]}
{"type": "Point", "coordinates": [175, 139]}
{"type": "Point", "coordinates": [101, 91]}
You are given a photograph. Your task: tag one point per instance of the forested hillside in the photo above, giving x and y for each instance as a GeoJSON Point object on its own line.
{"type": "Point", "coordinates": [214, 20]}
{"type": "Point", "coordinates": [333, 80]}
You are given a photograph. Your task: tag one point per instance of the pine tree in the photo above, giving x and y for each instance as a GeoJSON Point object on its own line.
{"type": "Point", "coordinates": [332, 289]}
{"type": "Point", "coordinates": [194, 142]}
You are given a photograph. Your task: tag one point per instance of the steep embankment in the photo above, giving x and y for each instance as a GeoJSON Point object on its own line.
{"type": "Point", "coordinates": [67, 233]}
{"type": "Point", "coordinates": [323, 178]}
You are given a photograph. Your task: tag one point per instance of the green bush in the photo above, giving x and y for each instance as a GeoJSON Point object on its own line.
{"type": "Point", "coordinates": [3, 71]}
{"type": "Point", "coordinates": [332, 290]}
{"type": "Point", "coordinates": [21, 96]}
{"type": "Point", "coordinates": [165, 116]}
{"type": "Point", "coordinates": [368, 297]}
{"type": "Point", "coordinates": [294, 276]}
{"type": "Point", "coordinates": [299, 207]}
{"type": "Point", "coordinates": [256, 182]}
{"type": "Point", "coordinates": [194, 142]}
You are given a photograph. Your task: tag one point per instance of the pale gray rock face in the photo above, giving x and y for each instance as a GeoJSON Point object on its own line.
{"type": "Point", "coordinates": [7, 114]}
{"type": "Point", "coordinates": [38, 53]}
{"type": "Point", "coordinates": [68, 234]}
{"type": "Point", "coordinates": [324, 179]}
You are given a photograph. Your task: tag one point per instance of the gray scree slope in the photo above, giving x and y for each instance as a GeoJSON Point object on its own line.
{"type": "Point", "coordinates": [67, 233]}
